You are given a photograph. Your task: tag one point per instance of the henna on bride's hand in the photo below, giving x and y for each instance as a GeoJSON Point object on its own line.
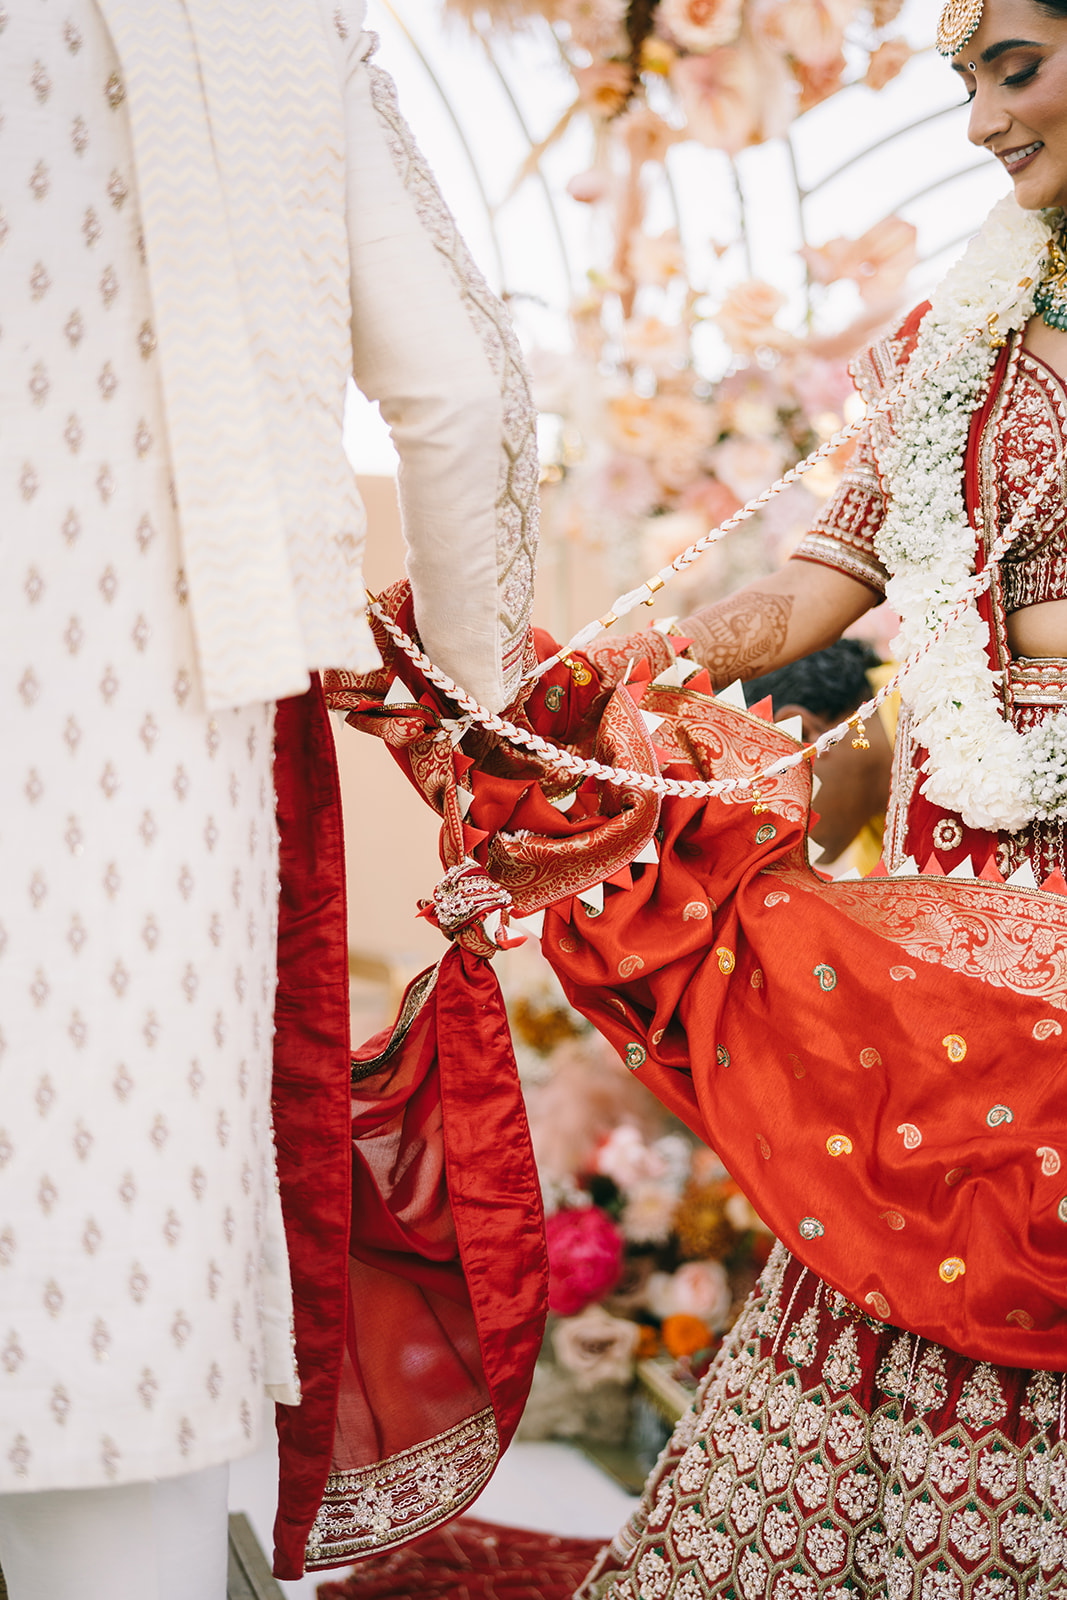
{"type": "Point", "coordinates": [740, 637]}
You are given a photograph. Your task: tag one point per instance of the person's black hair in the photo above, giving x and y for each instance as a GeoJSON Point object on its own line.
{"type": "Point", "coordinates": [830, 683]}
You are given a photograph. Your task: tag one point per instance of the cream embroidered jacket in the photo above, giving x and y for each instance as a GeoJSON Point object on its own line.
{"type": "Point", "coordinates": [293, 235]}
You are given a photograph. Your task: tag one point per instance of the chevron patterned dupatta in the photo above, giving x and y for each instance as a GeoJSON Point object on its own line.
{"type": "Point", "coordinates": [239, 138]}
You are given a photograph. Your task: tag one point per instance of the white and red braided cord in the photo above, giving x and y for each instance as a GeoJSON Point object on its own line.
{"type": "Point", "coordinates": [655, 783]}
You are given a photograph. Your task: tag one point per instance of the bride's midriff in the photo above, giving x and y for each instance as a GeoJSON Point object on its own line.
{"type": "Point", "coordinates": [1039, 630]}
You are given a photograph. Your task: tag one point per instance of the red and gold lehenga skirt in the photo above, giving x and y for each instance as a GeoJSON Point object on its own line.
{"type": "Point", "coordinates": [880, 1065]}
{"type": "Point", "coordinates": [831, 1454]}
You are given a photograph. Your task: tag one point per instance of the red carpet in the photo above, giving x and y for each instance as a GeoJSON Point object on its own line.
{"type": "Point", "coordinates": [470, 1560]}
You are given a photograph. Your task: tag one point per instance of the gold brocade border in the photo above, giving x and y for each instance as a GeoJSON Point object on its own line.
{"type": "Point", "coordinates": [1004, 935]}
{"type": "Point", "coordinates": [371, 1509]}
{"type": "Point", "coordinates": [416, 997]}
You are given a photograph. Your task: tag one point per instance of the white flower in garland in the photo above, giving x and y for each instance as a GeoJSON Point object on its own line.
{"type": "Point", "coordinates": [979, 765]}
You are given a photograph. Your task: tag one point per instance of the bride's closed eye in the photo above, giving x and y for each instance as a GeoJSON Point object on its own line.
{"type": "Point", "coordinates": [1018, 78]}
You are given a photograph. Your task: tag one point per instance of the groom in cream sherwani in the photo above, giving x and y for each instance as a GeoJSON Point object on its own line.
{"type": "Point", "coordinates": [209, 218]}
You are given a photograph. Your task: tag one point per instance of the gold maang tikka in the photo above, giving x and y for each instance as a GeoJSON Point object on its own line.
{"type": "Point", "coordinates": [958, 21]}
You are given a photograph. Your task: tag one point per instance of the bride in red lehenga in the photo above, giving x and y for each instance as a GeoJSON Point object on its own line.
{"type": "Point", "coordinates": [879, 1063]}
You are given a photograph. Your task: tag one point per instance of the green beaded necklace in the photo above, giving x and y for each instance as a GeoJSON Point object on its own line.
{"type": "Point", "coordinates": [1051, 296]}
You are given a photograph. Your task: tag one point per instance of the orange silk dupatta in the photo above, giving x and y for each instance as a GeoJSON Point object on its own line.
{"type": "Point", "coordinates": [880, 1064]}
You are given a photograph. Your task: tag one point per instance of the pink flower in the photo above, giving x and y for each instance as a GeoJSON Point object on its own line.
{"type": "Point", "coordinates": [648, 342]}
{"type": "Point", "coordinates": [649, 1212]}
{"type": "Point", "coordinates": [699, 25]}
{"type": "Point", "coordinates": [584, 1259]}
{"type": "Point", "coordinates": [650, 426]}
{"type": "Point", "coordinates": [656, 259]}
{"type": "Point", "coordinates": [808, 31]}
{"type": "Point", "coordinates": [598, 26]}
{"type": "Point", "coordinates": [603, 87]}
{"type": "Point", "coordinates": [589, 187]}
{"type": "Point", "coordinates": [819, 80]}
{"type": "Point", "coordinates": [878, 261]}
{"type": "Point", "coordinates": [823, 386]}
{"type": "Point", "coordinates": [888, 60]}
{"type": "Point", "coordinates": [596, 1347]}
{"type": "Point", "coordinates": [648, 137]}
{"type": "Point", "coordinates": [720, 96]}
{"type": "Point", "coordinates": [698, 1289]}
{"type": "Point", "coordinates": [747, 465]}
{"type": "Point", "coordinates": [712, 500]}
{"type": "Point", "coordinates": [624, 485]}
{"type": "Point", "coordinates": [747, 315]}
{"type": "Point", "coordinates": [625, 1158]}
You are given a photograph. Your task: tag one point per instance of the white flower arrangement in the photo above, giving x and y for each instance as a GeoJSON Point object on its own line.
{"type": "Point", "coordinates": [979, 765]}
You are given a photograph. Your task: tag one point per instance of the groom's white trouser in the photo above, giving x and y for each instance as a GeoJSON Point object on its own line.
{"type": "Point", "coordinates": [140, 1541]}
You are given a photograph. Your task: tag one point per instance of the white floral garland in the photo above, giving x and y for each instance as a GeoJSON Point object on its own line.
{"type": "Point", "coordinates": [980, 766]}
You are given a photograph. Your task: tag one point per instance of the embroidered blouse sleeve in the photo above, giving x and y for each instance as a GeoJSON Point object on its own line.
{"type": "Point", "coordinates": [434, 346]}
{"type": "Point", "coordinates": [842, 535]}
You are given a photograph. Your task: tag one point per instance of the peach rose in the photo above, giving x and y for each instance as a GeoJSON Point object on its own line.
{"type": "Point", "coordinates": [626, 1159]}
{"type": "Point", "coordinates": [676, 466]}
{"type": "Point", "coordinates": [747, 465]}
{"type": "Point", "coordinates": [721, 97]}
{"type": "Point", "coordinates": [646, 135]}
{"type": "Point", "coordinates": [808, 31]}
{"type": "Point", "coordinates": [596, 1347]}
{"type": "Point", "coordinates": [823, 385]}
{"type": "Point", "coordinates": [622, 486]}
{"type": "Point", "coordinates": [698, 1289]}
{"type": "Point", "coordinates": [670, 533]}
{"type": "Point", "coordinates": [603, 88]}
{"type": "Point", "coordinates": [648, 1212]}
{"type": "Point", "coordinates": [648, 342]}
{"type": "Point", "coordinates": [878, 261]}
{"type": "Point", "coordinates": [819, 81]}
{"type": "Point", "coordinates": [747, 315]}
{"type": "Point", "coordinates": [651, 425]}
{"type": "Point", "coordinates": [883, 12]}
{"type": "Point", "coordinates": [887, 61]}
{"type": "Point", "coordinates": [699, 25]}
{"type": "Point", "coordinates": [656, 258]}
{"type": "Point", "coordinates": [742, 1215]}
{"type": "Point", "coordinates": [598, 26]}
{"type": "Point", "coordinates": [709, 499]}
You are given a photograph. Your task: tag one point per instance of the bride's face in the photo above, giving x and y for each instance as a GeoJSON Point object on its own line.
{"type": "Point", "coordinates": [1014, 70]}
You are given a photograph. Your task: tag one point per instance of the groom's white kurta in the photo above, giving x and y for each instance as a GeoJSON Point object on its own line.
{"type": "Point", "coordinates": [209, 212]}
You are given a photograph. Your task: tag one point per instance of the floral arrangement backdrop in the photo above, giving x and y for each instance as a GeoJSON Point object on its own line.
{"type": "Point", "coordinates": [689, 388]}
{"type": "Point", "coordinates": [685, 390]}
{"type": "Point", "coordinates": [652, 1248]}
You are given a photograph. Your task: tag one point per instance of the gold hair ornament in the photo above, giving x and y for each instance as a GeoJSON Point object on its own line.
{"type": "Point", "coordinates": [957, 23]}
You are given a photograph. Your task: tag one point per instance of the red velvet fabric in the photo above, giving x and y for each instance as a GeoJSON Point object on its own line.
{"type": "Point", "coordinates": [472, 1560]}
{"type": "Point", "coordinates": [411, 1199]}
{"type": "Point", "coordinates": [312, 1118]}
{"type": "Point", "coordinates": [448, 1271]}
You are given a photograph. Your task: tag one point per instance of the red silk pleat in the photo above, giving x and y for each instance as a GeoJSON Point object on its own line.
{"type": "Point", "coordinates": [311, 1111]}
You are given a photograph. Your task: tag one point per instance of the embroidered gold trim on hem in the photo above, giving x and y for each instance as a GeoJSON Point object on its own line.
{"type": "Point", "coordinates": [963, 925]}
{"type": "Point", "coordinates": [1039, 680]}
{"type": "Point", "coordinates": [418, 994]}
{"type": "Point", "coordinates": [369, 1510]}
